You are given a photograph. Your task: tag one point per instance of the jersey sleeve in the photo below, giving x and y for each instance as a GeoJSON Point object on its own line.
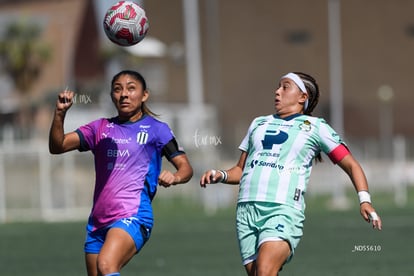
{"type": "Point", "coordinates": [331, 143]}
{"type": "Point", "coordinates": [244, 146]}
{"type": "Point", "coordinates": [165, 135]}
{"type": "Point", "coordinates": [87, 135]}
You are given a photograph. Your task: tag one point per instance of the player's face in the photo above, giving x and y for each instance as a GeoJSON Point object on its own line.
{"type": "Point", "coordinates": [288, 98]}
{"type": "Point", "coordinates": [128, 96]}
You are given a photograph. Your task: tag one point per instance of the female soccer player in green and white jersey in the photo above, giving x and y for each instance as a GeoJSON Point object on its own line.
{"type": "Point", "coordinates": [273, 172]}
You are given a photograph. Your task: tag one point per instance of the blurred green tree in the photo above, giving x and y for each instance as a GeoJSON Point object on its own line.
{"type": "Point", "coordinates": [23, 55]}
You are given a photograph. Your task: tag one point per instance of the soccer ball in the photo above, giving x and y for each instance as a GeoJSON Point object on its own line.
{"type": "Point", "coordinates": [125, 23]}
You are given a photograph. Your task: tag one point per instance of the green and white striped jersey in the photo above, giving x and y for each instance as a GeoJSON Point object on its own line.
{"type": "Point", "coordinates": [280, 153]}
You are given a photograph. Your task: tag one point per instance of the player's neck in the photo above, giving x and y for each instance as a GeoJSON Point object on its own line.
{"type": "Point", "coordinates": [133, 118]}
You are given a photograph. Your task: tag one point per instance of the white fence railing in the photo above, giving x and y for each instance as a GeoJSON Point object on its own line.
{"type": "Point", "coordinates": [35, 185]}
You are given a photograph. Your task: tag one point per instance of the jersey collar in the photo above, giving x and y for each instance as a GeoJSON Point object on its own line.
{"type": "Point", "coordinates": [288, 118]}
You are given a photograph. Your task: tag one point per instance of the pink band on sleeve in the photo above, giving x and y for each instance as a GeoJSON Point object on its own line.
{"type": "Point", "coordinates": [338, 153]}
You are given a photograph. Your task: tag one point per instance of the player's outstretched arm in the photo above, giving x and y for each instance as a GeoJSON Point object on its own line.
{"type": "Point", "coordinates": [231, 176]}
{"type": "Point", "coordinates": [359, 180]}
{"type": "Point", "coordinates": [60, 142]}
{"type": "Point", "coordinates": [182, 175]}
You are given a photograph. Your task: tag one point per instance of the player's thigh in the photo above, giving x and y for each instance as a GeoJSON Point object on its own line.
{"type": "Point", "coordinates": [91, 261]}
{"type": "Point", "coordinates": [117, 250]}
{"type": "Point", "coordinates": [271, 257]}
{"type": "Point", "coordinates": [281, 223]}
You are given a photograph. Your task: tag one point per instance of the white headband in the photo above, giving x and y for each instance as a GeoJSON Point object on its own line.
{"type": "Point", "coordinates": [299, 82]}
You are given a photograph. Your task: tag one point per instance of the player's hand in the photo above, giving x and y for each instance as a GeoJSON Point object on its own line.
{"type": "Point", "coordinates": [369, 214]}
{"type": "Point", "coordinates": [65, 100]}
{"type": "Point", "coordinates": [211, 177]}
{"type": "Point", "coordinates": [167, 179]}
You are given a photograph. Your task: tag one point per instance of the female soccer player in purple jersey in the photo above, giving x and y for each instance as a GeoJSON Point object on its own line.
{"type": "Point", "coordinates": [273, 172]}
{"type": "Point", "coordinates": [128, 150]}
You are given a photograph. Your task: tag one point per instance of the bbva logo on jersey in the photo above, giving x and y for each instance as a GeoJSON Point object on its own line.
{"type": "Point", "coordinates": [142, 137]}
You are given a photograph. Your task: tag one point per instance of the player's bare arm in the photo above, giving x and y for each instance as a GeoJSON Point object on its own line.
{"type": "Point", "coordinates": [231, 176]}
{"type": "Point", "coordinates": [359, 180]}
{"type": "Point", "coordinates": [182, 175]}
{"type": "Point", "coordinates": [59, 142]}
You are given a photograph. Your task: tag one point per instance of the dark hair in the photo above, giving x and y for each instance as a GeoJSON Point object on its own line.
{"type": "Point", "coordinates": [313, 96]}
{"type": "Point", "coordinates": [137, 76]}
{"type": "Point", "coordinates": [313, 91]}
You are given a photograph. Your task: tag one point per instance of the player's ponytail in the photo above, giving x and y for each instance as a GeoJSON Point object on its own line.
{"type": "Point", "coordinates": [313, 93]}
{"type": "Point", "coordinates": [146, 110]}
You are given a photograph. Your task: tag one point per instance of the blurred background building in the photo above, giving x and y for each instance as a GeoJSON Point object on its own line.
{"type": "Point", "coordinates": [212, 66]}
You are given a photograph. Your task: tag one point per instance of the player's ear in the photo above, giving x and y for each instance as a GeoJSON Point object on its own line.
{"type": "Point", "coordinates": [145, 96]}
{"type": "Point", "coordinates": [303, 98]}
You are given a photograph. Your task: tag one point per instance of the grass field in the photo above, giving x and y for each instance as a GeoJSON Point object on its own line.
{"type": "Point", "coordinates": [186, 241]}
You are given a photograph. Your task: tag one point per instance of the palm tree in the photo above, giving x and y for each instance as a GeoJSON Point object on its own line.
{"type": "Point", "coordinates": [22, 57]}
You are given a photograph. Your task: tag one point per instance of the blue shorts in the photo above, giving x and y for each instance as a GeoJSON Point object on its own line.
{"type": "Point", "coordinates": [259, 222]}
{"type": "Point", "coordinates": [139, 233]}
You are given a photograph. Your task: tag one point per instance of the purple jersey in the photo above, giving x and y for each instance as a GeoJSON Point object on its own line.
{"type": "Point", "coordinates": [127, 165]}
